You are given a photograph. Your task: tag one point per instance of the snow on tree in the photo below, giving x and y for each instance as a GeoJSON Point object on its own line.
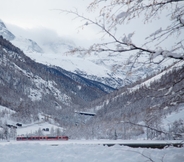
{"type": "Point", "coordinates": [114, 14]}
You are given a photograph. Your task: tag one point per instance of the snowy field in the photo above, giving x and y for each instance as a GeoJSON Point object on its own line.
{"type": "Point", "coordinates": [67, 151]}
{"type": "Point", "coordinates": [84, 150]}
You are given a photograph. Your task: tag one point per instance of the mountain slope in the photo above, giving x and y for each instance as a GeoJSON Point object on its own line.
{"type": "Point", "coordinates": [5, 32]}
{"type": "Point", "coordinates": [108, 68]}
{"type": "Point", "coordinates": [138, 111]}
{"type": "Point", "coordinates": [30, 88]}
{"type": "Point", "coordinates": [27, 45]}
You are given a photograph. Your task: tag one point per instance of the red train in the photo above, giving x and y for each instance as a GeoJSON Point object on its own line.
{"type": "Point", "coordinates": [65, 138]}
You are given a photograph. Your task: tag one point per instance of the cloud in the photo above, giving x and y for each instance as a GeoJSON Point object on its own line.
{"type": "Point", "coordinates": [43, 35]}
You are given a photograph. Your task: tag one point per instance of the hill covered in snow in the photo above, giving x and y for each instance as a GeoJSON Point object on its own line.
{"type": "Point", "coordinates": [139, 110]}
{"type": "Point", "coordinates": [134, 111]}
{"type": "Point", "coordinates": [108, 68]}
{"type": "Point", "coordinates": [30, 88]}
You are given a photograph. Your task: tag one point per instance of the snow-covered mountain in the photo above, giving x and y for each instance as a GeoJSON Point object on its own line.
{"type": "Point", "coordinates": [5, 32]}
{"type": "Point", "coordinates": [30, 88]}
{"type": "Point", "coordinates": [144, 110]}
{"type": "Point", "coordinates": [57, 46]}
{"type": "Point", "coordinates": [110, 69]}
{"type": "Point", "coordinates": [27, 45]}
{"type": "Point", "coordinates": [24, 83]}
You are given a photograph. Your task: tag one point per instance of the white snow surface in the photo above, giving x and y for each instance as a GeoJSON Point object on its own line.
{"type": "Point", "coordinates": [31, 128]}
{"type": "Point", "coordinates": [83, 151]}
{"type": "Point", "coordinates": [89, 65]}
{"type": "Point", "coordinates": [171, 118]}
{"type": "Point", "coordinates": [6, 118]}
{"type": "Point", "coordinates": [3, 108]}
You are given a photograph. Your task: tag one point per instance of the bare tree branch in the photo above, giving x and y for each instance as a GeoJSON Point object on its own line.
{"type": "Point", "coordinates": [114, 13]}
{"type": "Point", "coordinates": [151, 128]}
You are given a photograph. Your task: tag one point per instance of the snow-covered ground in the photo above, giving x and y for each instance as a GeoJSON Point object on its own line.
{"type": "Point", "coordinates": [31, 128]}
{"type": "Point", "coordinates": [84, 150]}
{"type": "Point", "coordinates": [6, 117]}
{"type": "Point", "coordinates": [171, 118]}
{"type": "Point", "coordinates": [2, 108]}
{"type": "Point", "coordinates": [44, 122]}
{"type": "Point", "coordinates": [80, 152]}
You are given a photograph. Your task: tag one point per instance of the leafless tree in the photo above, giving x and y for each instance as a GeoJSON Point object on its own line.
{"type": "Point", "coordinates": [113, 14]}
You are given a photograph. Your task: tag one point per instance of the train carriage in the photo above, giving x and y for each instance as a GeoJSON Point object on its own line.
{"type": "Point", "coordinates": [65, 138]}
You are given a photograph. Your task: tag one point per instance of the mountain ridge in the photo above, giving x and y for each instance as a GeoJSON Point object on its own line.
{"type": "Point", "coordinates": [5, 32]}
{"type": "Point", "coordinates": [138, 110]}
{"type": "Point", "coordinates": [30, 88]}
{"type": "Point", "coordinates": [110, 69]}
{"type": "Point", "coordinates": [26, 84]}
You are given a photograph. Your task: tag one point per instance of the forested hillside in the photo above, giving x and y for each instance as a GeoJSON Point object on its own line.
{"type": "Point", "coordinates": [138, 110]}
{"type": "Point", "coordinates": [30, 88]}
{"type": "Point", "coordinates": [135, 111]}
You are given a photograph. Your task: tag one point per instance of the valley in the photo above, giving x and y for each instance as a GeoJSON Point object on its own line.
{"type": "Point", "coordinates": [44, 79]}
{"type": "Point", "coordinates": [92, 81]}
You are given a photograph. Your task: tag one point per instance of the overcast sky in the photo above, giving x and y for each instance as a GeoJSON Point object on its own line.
{"type": "Point", "coordinates": [40, 19]}
{"type": "Point", "coordinates": [42, 16]}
